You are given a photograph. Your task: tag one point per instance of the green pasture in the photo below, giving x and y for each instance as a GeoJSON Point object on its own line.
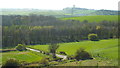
{"type": "Point", "coordinates": [26, 56]}
{"type": "Point", "coordinates": [107, 49]}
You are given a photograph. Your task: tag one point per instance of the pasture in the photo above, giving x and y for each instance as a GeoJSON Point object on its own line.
{"type": "Point", "coordinates": [22, 56]}
{"type": "Point", "coordinates": [104, 52]}
{"type": "Point", "coordinates": [107, 49]}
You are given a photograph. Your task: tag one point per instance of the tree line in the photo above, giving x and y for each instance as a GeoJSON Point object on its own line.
{"type": "Point", "coordinates": [39, 29]}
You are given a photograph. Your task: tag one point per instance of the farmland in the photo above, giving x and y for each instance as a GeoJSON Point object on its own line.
{"type": "Point", "coordinates": [65, 12]}
{"type": "Point", "coordinates": [59, 34]}
{"type": "Point", "coordinates": [97, 18]}
{"type": "Point", "coordinates": [38, 32]}
{"type": "Point", "coordinates": [105, 48]}
{"type": "Point", "coordinates": [24, 56]}
{"type": "Point", "coordinates": [104, 52]}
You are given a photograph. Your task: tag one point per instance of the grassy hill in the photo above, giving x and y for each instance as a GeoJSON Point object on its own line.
{"type": "Point", "coordinates": [66, 12]}
{"type": "Point", "coordinates": [105, 48]}
{"type": "Point", "coordinates": [78, 11]}
{"type": "Point", "coordinates": [97, 18]}
{"type": "Point", "coordinates": [104, 52]}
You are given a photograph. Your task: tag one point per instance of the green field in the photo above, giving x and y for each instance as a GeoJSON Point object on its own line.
{"type": "Point", "coordinates": [26, 56]}
{"type": "Point", "coordinates": [97, 18]}
{"type": "Point", "coordinates": [107, 49]}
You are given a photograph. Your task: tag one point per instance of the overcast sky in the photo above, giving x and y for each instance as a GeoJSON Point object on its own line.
{"type": "Point", "coordinates": [60, 4]}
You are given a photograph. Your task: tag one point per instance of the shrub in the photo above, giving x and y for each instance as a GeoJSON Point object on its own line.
{"type": "Point", "coordinates": [81, 54]}
{"type": "Point", "coordinates": [20, 47]}
{"type": "Point", "coordinates": [11, 63]}
{"type": "Point", "coordinates": [93, 37]}
{"type": "Point", "coordinates": [44, 62]}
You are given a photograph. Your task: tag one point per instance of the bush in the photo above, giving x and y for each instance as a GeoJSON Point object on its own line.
{"type": "Point", "coordinates": [44, 62]}
{"type": "Point", "coordinates": [81, 54]}
{"type": "Point", "coordinates": [93, 37]}
{"type": "Point", "coordinates": [20, 47]}
{"type": "Point", "coordinates": [11, 63]}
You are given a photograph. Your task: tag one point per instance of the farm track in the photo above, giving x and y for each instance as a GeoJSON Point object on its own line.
{"type": "Point", "coordinates": [60, 56]}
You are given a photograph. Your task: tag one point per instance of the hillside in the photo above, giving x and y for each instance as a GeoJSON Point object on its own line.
{"type": "Point", "coordinates": [104, 12]}
{"type": "Point", "coordinates": [38, 29]}
{"type": "Point", "coordinates": [85, 12]}
{"type": "Point", "coordinates": [66, 12]}
{"type": "Point", "coordinates": [102, 46]}
{"type": "Point", "coordinates": [106, 50]}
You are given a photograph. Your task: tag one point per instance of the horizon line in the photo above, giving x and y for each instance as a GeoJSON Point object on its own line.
{"type": "Point", "coordinates": [61, 9]}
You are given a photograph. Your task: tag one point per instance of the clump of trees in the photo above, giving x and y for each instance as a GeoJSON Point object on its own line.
{"type": "Point", "coordinates": [11, 63]}
{"type": "Point", "coordinates": [81, 54]}
{"type": "Point", "coordinates": [20, 47]}
{"type": "Point", "coordinates": [93, 37]}
{"type": "Point", "coordinates": [39, 29]}
{"type": "Point", "coordinates": [52, 48]}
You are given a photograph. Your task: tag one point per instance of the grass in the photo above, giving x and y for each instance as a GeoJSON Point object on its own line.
{"type": "Point", "coordinates": [104, 52]}
{"type": "Point", "coordinates": [107, 49]}
{"type": "Point", "coordinates": [26, 56]}
{"type": "Point", "coordinates": [97, 18]}
{"type": "Point", "coordinates": [93, 62]}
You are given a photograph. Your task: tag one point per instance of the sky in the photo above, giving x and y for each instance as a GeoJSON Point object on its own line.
{"type": "Point", "coordinates": [60, 4]}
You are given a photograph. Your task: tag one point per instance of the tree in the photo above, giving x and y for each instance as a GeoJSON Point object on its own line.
{"type": "Point", "coordinates": [93, 37]}
{"type": "Point", "coordinates": [52, 48]}
{"type": "Point", "coordinates": [11, 63]}
{"type": "Point", "coordinates": [81, 54]}
{"type": "Point", "coordinates": [20, 47]}
{"type": "Point", "coordinates": [39, 29]}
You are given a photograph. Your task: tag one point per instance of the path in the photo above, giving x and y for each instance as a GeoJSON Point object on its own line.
{"type": "Point", "coordinates": [61, 56]}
